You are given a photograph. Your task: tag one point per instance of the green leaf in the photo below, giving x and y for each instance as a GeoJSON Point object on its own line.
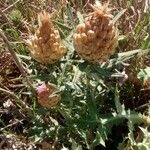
{"type": "Point", "coordinates": [121, 37]}
{"type": "Point", "coordinates": [143, 147]}
{"type": "Point", "coordinates": [75, 146]}
{"type": "Point", "coordinates": [80, 17]}
{"type": "Point", "coordinates": [124, 56]}
{"type": "Point", "coordinates": [146, 42]}
{"type": "Point", "coordinates": [118, 15]}
{"type": "Point", "coordinates": [117, 101]}
{"type": "Point", "coordinates": [130, 134]}
{"type": "Point", "coordinates": [70, 15]}
{"type": "Point", "coordinates": [91, 101]}
{"type": "Point", "coordinates": [24, 56]}
{"type": "Point", "coordinates": [144, 74]}
{"type": "Point", "coordinates": [101, 136]}
{"type": "Point", "coordinates": [62, 26]}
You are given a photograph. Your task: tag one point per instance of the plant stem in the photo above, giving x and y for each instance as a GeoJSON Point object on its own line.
{"type": "Point", "coordinates": [10, 93]}
{"type": "Point", "coordinates": [16, 60]}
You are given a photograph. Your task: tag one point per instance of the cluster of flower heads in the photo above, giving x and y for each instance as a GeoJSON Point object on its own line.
{"type": "Point", "coordinates": [94, 40]}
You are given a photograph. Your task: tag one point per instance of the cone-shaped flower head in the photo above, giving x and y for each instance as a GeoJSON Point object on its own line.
{"type": "Point", "coordinates": [46, 45]}
{"type": "Point", "coordinates": [96, 39]}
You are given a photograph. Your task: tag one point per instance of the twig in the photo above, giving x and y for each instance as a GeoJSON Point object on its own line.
{"type": "Point", "coordinates": [142, 106]}
{"type": "Point", "coordinates": [10, 93]}
{"type": "Point", "coordinates": [10, 6]}
{"type": "Point", "coordinates": [16, 60]}
{"type": "Point", "coordinates": [23, 104]}
{"type": "Point", "coordinates": [15, 96]}
{"type": "Point", "coordinates": [12, 124]}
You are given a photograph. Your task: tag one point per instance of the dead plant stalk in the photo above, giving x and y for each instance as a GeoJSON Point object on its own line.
{"type": "Point", "coordinates": [16, 60]}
